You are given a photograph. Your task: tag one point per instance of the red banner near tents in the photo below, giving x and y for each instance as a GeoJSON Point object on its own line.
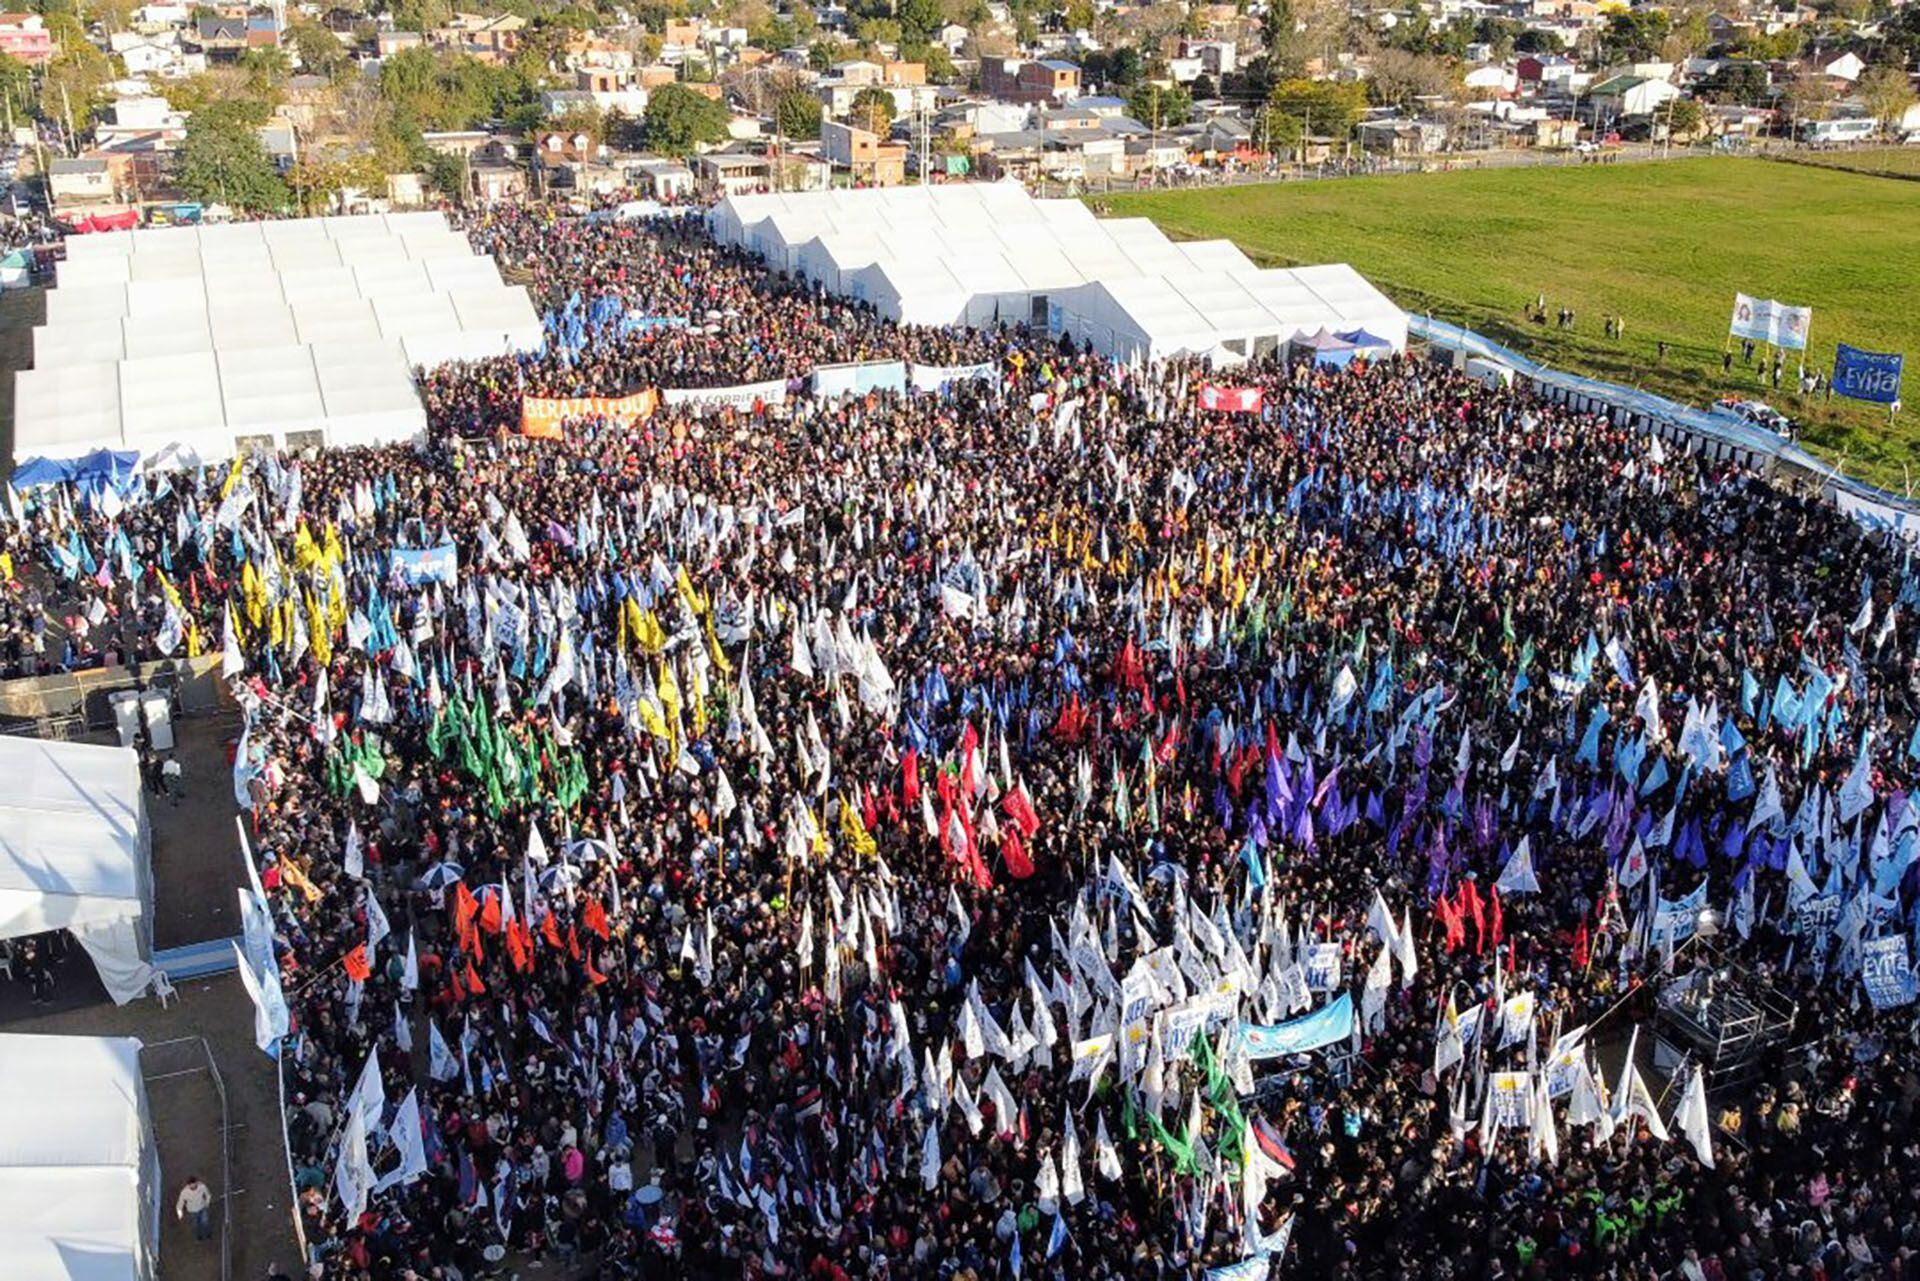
{"type": "Point", "coordinates": [125, 220]}
{"type": "Point", "coordinates": [1230, 400]}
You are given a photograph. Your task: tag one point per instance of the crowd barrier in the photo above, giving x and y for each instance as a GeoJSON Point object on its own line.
{"type": "Point", "coordinates": [1717, 437]}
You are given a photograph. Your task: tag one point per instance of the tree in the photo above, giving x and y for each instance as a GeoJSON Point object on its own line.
{"type": "Point", "coordinates": [680, 119]}
{"type": "Point", "coordinates": [872, 110]}
{"type": "Point", "coordinates": [1158, 107]}
{"type": "Point", "coordinates": [1399, 77]}
{"type": "Point", "coordinates": [1303, 108]}
{"type": "Point", "coordinates": [1737, 82]}
{"type": "Point", "coordinates": [16, 86]}
{"type": "Point", "coordinates": [1535, 40]}
{"type": "Point", "coordinates": [920, 20]}
{"type": "Point", "coordinates": [1113, 68]}
{"type": "Point", "coordinates": [266, 70]}
{"type": "Point", "coordinates": [1887, 93]}
{"type": "Point", "coordinates": [319, 49]}
{"type": "Point", "coordinates": [1686, 118]}
{"type": "Point", "coordinates": [221, 160]}
{"type": "Point", "coordinates": [797, 115]}
{"type": "Point", "coordinates": [1636, 35]}
{"type": "Point", "coordinates": [1810, 96]}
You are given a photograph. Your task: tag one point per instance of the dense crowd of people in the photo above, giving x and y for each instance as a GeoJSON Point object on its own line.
{"type": "Point", "coordinates": [1045, 827]}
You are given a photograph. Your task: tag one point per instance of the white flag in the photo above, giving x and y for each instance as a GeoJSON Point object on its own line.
{"type": "Point", "coordinates": [377, 926]}
{"type": "Point", "coordinates": [402, 1034]}
{"type": "Point", "coordinates": [1106, 1157]}
{"type": "Point", "coordinates": [1517, 876]}
{"type": "Point", "coordinates": [1692, 1117]}
{"type": "Point", "coordinates": [353, 858]}
{"type": "Point", "coordinates": [441, 1064]}
{"type": "Point", "coordinates": [353, 1172]}
{"type": "Point", "coordinates": [407, 1136]}
{"type": "Point", "coordinates": [1072, 1182]}
{"type": "Point", "coordinates": [369, 1098]}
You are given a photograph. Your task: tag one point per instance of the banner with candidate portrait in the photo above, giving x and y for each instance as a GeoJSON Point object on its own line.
{"type": "Point", "coordinates": [1867, 375]}
{"type": "Point", "coordinates": [1770, 321]}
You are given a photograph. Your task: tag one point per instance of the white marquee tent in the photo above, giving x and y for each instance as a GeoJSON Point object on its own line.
{"type": "Point", "coordinates": [977, 253]}
{"type": "Point", "coordinates": [1234, 314]}
{"type": "Point", "coordinates": [75, 854]}
{"type": "Point", "coordinates": [220, 337]}
{"type": "Point", "coordinates": [79, 1172]}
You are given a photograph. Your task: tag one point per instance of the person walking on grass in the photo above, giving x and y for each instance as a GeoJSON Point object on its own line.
{"type": "Point", "coordinates": [195, 1199]}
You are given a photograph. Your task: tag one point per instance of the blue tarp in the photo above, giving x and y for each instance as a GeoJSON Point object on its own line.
{"type": "Point", "coordinates": [1361, 338]}
{"type": "Point", "coordinates": [42, 471]}
{"type": "Point", "coordinates": [1325, 1026]}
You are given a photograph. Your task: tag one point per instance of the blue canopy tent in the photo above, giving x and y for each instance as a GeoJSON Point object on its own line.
{"type": "Point", "coordinates": [1364, 341]}
{"type": "Point", "coordinates": [1327, 349]}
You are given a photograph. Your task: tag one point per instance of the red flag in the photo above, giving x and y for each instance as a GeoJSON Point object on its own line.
{"type": "Point", "coordinates": [358, 968]}
{"type": "Point", "coordinates": [1015, 853]}
{"type": "Point", "coordinates": [594, 977]}
{"type": "Point", "coordinates": [519, 946]}
{"type": "Point", "coordinates": [551, 932]}
{"type": "Point", "coordinates": [910, 777]}
{"type": "Point", "coordinates": [1019, 808]}
{"type": "Point", "coordinates": [1495, 917]}
{"type": "Point", "coordinates": [595, 918]}
{"type": "Point", "coordinates": [573, 942]}
{"type": "Point", "coordinates": [474, 984]}
{"type": "Point", "coordinates": [1230, 400]}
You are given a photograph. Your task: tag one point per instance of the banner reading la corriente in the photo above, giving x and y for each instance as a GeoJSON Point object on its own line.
{"type": "Point", "coordinates": [541, 416]}
{"type": "Point", "coordinates": [1769, 321]}
{"type": "Point", "coordinates": [1867, 375]}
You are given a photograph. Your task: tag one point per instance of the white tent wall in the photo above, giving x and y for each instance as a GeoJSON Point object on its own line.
{"type": "Point", "coordinates": [79, 1169]}
{"type": "Point", "coordinates": [75, 854]}
{"type": "Point", "coordinates": [161, 310]}
{"type": "Point", "coordinates": [1014, 257]}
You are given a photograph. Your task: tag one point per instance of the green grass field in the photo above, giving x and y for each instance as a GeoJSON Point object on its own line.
{"type": "Point", "coordinates": [1665, 246]}
{"type": "Point", "coordinates": [1903, 162]}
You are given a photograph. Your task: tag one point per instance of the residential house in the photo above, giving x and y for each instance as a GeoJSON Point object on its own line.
{"type": "Point", "coordinates": [1065, 119]}
{"type": "Point", "coordinates": [1545, 71]}
{"type": "Point", "coordinates": [1144, 155]}
{"type": "Point", "coordinates": [1084, 153]}
{"type": "Point", "coordinates": [491, 38]}
{"type": "Point", "coordinates": [871, 159]}
{"type": "Point", "coordinates": [221, 39]}
{"type": "Point", "coordinates": [953, 38]}
{"type": "Point", "coordinates": [1554, 132]}
{"type": "Point", "coordinates": [390, 41]}
{"type": "Point", "coordinates": [494, 180]}
{"type": "Point", "coordinates": [977, 117]}
{"type": "Point", "coordinates": [1732, 120]}
{"type": "Point", "coordinates": [79, 181]}
{"type": "Point", "coordinates": [162, 15]}
{"type": "Point", "coordinates": [731, 173]}
{"type": "Point", "coordinates": [662, 179]}
{"type": "Point", "coordinates": [282, 145]}
{"type": "Point", "coordinates": [613, 90]}
{"type": "Point", "coordinates": [147, 118]}
{"type": "Point", "coordinates": [1217, 57]}
{"type": "Point", "coordinates": [857, 72]}
{"type": "Point", "coordinates": [1490, 81]}
{"type": "Point", "coordinates": [1015, 154]}
{"type": "Point", "coordinates": [1842, 65]}
{"type": "Point", "coordinates": [1184, 71]}
{"type": "Point", "coordinates": [1029, 81]}
{"type": "Point", "coordinates": [25, 36]}
{"type": "Point", "coordinates": [263, 31]}
{"type": "Point", "coordinates": [1627, 97]}
{"type": "Point", "coordinates": [1397, 136]}
{"type": "Point", "coordinates": [1104, 106]}
{"type": "Point", "coordinates": [555, 103]}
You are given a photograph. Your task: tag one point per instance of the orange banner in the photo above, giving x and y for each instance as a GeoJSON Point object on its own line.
{"type": "Point", "coordinates": [541, 416]}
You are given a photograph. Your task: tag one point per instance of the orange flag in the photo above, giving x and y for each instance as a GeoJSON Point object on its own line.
{"type": "Point", "coordinates": [594, 977]}
{"type": "Point", "coordinates": [474, 984]}
{"type": "Point", "coordinates": [551, 932]}
{"type": "Point", "coordinates": [358, 969]}
{"type": "Point", "coordinates": [595, 918]}
{"type": "Point", "coordinates": [490, 914]}
{"type": "Point", "coordinates": [573, 943]}
{"type": "Point", "coordinates": [464, 907]}
{"type": "Point", "coordinates": [519, 949]}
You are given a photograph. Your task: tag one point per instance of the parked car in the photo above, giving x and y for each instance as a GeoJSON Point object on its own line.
{"type": "Point", "coordinates": [1755, 413]}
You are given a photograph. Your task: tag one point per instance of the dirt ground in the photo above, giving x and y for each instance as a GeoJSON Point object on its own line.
{"type": "Point", "coordinates": [196, 870]}
{"type": "Point", "coordinates": [20, 311]}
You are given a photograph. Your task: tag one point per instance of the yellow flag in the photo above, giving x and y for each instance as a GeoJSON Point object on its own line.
{"type": "Point", "coordinates": [233, 475]}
